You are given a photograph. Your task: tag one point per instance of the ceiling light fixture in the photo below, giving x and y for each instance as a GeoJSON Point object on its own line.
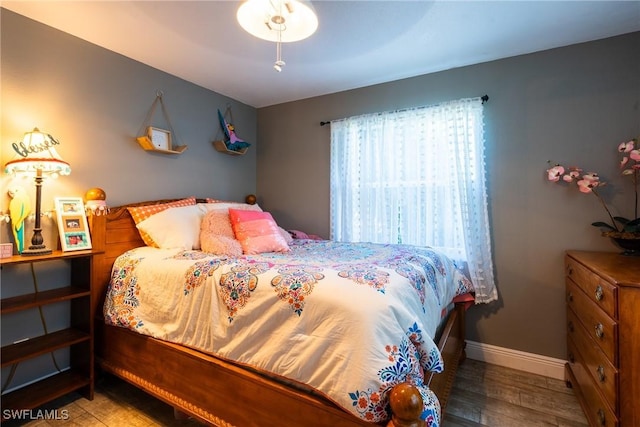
{"type": "Point", "coordinates": [280, 21]}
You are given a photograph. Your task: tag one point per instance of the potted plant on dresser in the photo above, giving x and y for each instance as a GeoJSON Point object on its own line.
{"type": "Point", "coordinates": [625, 232]}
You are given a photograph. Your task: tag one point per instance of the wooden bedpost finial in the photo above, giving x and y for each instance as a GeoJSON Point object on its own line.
{"type": "Point", "coordinates": [406, 406]}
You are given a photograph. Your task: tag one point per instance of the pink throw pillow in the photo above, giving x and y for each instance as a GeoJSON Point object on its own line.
{"type": "Point", "coordinates": [257, 232]}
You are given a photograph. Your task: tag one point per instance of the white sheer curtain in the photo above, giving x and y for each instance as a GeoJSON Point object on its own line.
{"type": "Point", "coordinates": [417, 177]}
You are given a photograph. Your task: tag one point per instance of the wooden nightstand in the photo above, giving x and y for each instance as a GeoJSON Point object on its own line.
{"type": "Point", "coordinates": [78, 337]}
{"type": "Point", "coordinates": [603, 336]}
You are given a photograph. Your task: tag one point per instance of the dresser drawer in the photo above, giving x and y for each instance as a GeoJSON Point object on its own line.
{"type": "Point", "coordinates": [595, 407]}
{"type": "Point", "coordinates": [601, 292]}
{"type": "Point", "coordinates": [604, 374]}
{"type": "Point", "coordinates": [603, 335]}
{"type": "Point", "coordinates": [599, 326]}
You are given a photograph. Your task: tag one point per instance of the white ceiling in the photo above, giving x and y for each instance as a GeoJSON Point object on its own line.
{"type": "Point", "coordinates": [358, 43]}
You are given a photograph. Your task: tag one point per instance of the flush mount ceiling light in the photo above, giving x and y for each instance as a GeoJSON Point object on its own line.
{"type": "Point", "coordinates": [280, 21]}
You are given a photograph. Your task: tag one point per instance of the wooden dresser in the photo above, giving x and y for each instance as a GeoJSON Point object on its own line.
{"type": "Point", "coordinates": [603, 336]}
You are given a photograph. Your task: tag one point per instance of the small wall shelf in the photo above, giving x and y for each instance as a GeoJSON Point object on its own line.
{"type": "Point", "coordinates": [159, 140]}
{"type": "Point", "coordinates": [222, 147]}
{"type": "Point", "coordinates": [147, 145]}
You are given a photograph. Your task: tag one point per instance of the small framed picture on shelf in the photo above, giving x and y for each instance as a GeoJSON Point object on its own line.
{"type": "Point", "coordinates": [72, 224]}
{"type": "Point", "coordinates": [160, 138]}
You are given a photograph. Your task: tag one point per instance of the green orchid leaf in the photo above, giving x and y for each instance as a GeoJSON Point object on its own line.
{"type": "Point", "coordinates": [621, 220]}
{"type": "Point", "coordinates": [634, 222]}
{"type": "Point", "coordinates": [628, 228]}
{"type": "Point", "coordinates": [603, 225]}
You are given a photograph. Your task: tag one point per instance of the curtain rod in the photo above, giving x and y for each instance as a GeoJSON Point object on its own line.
{"type": "Point", "coordinates": [484, 98]}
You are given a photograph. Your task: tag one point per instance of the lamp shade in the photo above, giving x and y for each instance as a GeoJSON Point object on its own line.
{"type": "Point", "coordinates": [278, 20]}
{"type": "Point", "coordinates": [36, 154]}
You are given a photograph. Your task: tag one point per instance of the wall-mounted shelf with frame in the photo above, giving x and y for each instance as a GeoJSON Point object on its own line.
{"type": "Point", "coordinates": [221, 146]}
{"type": "Point", "coordinates": [156, 139]}
{"type": "Point", "coordinates": [159, 140]}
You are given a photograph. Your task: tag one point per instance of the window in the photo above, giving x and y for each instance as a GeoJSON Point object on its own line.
{"type": "Point", "coordinates": [416, 177]}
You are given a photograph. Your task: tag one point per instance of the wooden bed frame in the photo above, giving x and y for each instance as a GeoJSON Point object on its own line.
{"type": "Point", "coordinates": [216, 391]}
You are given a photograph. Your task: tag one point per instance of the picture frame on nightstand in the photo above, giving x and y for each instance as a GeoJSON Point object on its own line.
{"type": "Point", "coordinates": [72, 224]}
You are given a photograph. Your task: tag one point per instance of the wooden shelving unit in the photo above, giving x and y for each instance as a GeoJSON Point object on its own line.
{"type": "Point", "coordinates": [78, 337]}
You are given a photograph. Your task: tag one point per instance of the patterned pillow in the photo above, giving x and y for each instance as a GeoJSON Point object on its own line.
{"type": "Point", "coordinates": [257, 232]}
{"type": "Point", "coordinates": [140, 213]}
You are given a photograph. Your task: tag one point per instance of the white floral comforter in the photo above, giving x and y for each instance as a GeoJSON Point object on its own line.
{"type": "Point", "coordinates": [349, 320]}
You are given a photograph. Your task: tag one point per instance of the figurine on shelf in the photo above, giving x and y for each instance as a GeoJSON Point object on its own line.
{"type": "Point", "coordinates": [19, 210]}
{"type": "Point", "coordinates": [232, 141]}
{"type": "Point", "coordinates": [95, 202]}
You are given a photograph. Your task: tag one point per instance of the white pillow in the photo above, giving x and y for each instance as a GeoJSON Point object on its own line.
{"type": "Point", "coordinates": [177, 227]}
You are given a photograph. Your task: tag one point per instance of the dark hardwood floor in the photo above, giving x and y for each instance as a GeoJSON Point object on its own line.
{"type": "Point", "coordinates": [483, 395]}
{"type": "Point", "coordinates": [494, 396]}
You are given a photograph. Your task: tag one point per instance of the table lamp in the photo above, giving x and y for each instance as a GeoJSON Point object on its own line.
{"type": "Point", "coordinates": [36, 156]}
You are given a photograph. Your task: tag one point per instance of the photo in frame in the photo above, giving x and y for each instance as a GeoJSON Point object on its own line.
{"type": "Point", "coordinates": [160, 138]}
{"type": "Point", "coordinates": [72, 224]}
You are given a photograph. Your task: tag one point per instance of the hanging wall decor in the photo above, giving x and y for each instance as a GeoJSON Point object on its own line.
{"type": "Point", "coordinates": [231, 144]}
{"type": "Point", "coordinates": [156, 139]}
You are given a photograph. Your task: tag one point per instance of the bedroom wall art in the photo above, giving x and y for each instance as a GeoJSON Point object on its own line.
{"type": "Point", "coordinates": [156, 139]}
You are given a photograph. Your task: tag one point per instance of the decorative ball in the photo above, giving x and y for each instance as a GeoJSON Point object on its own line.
{"type": "Point", "coordinates": [95, 194]}
{"type": "Point", "coordinates": [250, 199]}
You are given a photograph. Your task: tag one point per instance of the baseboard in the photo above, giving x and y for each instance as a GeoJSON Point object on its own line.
{"type": "Point", "coordinates": [528, 362]}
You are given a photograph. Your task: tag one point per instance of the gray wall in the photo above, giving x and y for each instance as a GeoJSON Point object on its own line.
{"type": "Point", "coordinates": [571, 105]}
{"type": "Point", "coordinates": [95, 102]}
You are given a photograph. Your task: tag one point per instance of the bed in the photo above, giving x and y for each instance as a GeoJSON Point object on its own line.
{"type": "Point", "coordinates": [219, 390]}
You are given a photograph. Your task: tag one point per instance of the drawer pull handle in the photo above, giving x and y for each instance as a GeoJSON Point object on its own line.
{"type": "Point", "coordinates": [569, 271]}
{"type": "Point", "coordinates": [572, 358]}
{"type": "Point", "coordinates": [570, 296]}
{"type": "Point", "coordinates": [601, 417]}
{"type": "Point", "coordinates": [599, 293]}
{"type": "Point", "coordinates": [599, 330]}
{"type": "Point", "coordinates": [601, 374]}
{"type": "Point", "coordinates": [570, 326]}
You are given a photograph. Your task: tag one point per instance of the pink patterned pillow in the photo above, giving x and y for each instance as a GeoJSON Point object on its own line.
{"type": "Point", "coordinates": [257, 232]}
{"type": "Point", "coordinates": [140, 213]}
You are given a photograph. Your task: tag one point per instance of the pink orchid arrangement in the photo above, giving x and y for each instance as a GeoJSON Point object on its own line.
{"type": "Point", "coordinates": [589, 183]}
